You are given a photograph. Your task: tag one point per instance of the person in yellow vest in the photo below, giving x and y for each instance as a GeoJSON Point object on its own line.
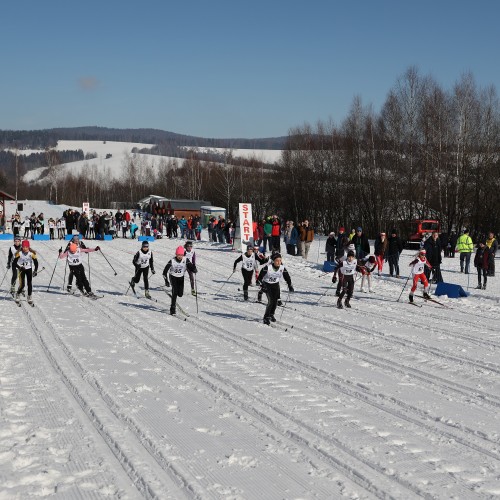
{"type": "Point", "coordinates": [465, 248]}
{"type": "Point", "coordinates": [352, 234]}
{"type": "Point", "coordinates": [492, 246]}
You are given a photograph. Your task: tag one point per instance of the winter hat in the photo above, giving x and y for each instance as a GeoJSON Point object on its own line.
{"type": "Point", "coordinates": [145, 244]}
{"type": "Point", "coordinates": [423, 252]}
{"type": "Point", "coordinates": [188, 244]}
{"type": "Point", "coordinates": [341, 229]}
{"type": "Point", "coordinates": [276, 256]}
{"type": "Point", "coordinates": [359, 229]}
{"type": "Point", "coordinates": [17, 238]}
{"type": "Point", "coordinates": [351, 247]}
{"type": "Point", "coordinates": [73, 247]}
{"type": "Point", "coordinates": [25, 244]}
{"type": "Point", "coordinates": [332, 234]}
{"type": "Point", "coordinates": [249, 247]}
{"type": "Point", "coordinates": [393, 231]}
{"type": "Point", "coordinates": [179, 250]}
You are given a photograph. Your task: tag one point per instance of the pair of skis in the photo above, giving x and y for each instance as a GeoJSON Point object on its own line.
{"type": "Point", "coordinates": [429, 300]}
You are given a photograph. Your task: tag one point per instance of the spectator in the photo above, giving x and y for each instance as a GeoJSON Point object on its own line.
{"type": "Point", "coordinates": [342, 243]}
{"type": "Point", "coordinates": [306, 237]}
{"type": "Point", "coordinates": [465, 248]}
{"type": "Point", "coordinates": [380, 250]}
{"type": "Point", "coordinates": [492, 247]}
{"type": "Point", "coordinates": [276, 233]}
{"type": "Point", "coordinates": [331, 247]}
{"type": "Point", "coordinates": [361, 243]}
{"type": "Point", "coordinates": [433, 253]}
{"type": "Point", "coordinates": [394, 249]}
{"type": "Point", "coordinates": [267, 226]}
{"type": "Point", "coordinates": [291, 238]}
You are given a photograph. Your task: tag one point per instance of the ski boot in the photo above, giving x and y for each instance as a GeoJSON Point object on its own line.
{"type": "Point", "coordinates": [479, 287]}
{"type": "Point", "coordinates": [484, 286]}
{"type": "Point", "coordinates": [426, 295]}
{"type": "Point", "coordinates": [132, 285]}
{"type": "Point", "coordinates": [13, 290]}
{"type": "Point", "coordinates": [193, 292]}
{"type": "Point", "coordinates": [245, 294]}
{"type": "Point", "coordinates": [69, 288]}
{"type": "Point", "coordinates": [272, 318]}
{"type": "Point", "coordinates": [17, 297]}
{"type": "Point", "coordinates": [147, 294]}
{"type": "Point", "coordinates": [279, 303]}
{"type": "Point", "coordinates": [267, 321]}
{"type": "Point", "coordinates": [339, 303]}
{"type": "Point", "coordinates": [411, 297]}
{"type": "Point", "coordinates": [347, 304]}
{"type": "Point", "coordinates": [172, 311]}
{"type": "Point", "coordinates": [259, 297]}
{"type": "Point", "coordinates": [362, 290]}
{"type": "Point", "coordinates": [30, 300]}
{"type": "Point", "coordinates": [371, 290]}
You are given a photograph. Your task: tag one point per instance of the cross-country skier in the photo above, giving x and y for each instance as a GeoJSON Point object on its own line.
{"type": "Point", "coordinates": [74, 259]}
{"type": "Point", "coordinates": [417, 271]}
{"type": "Point", "coordinates": [175, 269]}
{"type": "Point", "coordinates": [143, 261]}
{"type": "Point", "coordinates": [347, 268]}
{"type": "Point", "coordinates": [248, 262]}
{"type": "Point", "coordinates": [13, 250]}
{"type": "Point", "coordinates": [339, 260]}
{"type": "Point", "coordinates": [27, 264]}
{"type": "Point", "coordinates": [269, 278]}
{"type": "Point", "coordinates": [75, 239]}
{"type": "Point", "coordinates": [366, 267]}
{"type": "Point", "coordinates": [191, 255]}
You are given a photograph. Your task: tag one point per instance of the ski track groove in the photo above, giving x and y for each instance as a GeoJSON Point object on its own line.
{"type": "Point", "coordinates": [363, 398]}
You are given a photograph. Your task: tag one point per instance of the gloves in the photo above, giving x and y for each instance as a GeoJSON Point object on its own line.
{"type": "Point", "coordinates": [290, 289]}
{"type": "Point", "coordinates": [97, 249]}
{"type": "Point", "coordinates": [234, 269]}
{"type": "Point", "coordinates": [334, 279]}
{"type": "Point", "coordinates": [8, 266]}
{"type": "Point", "coordinates": [35, 274]}
{"type": "Point", "coordinates": [153, 271]}
{"type": "Point", "coordinates": [60, 251]}
{"type": "Point", "coordinates": [166, 281]}
{"type": "Point", "coordinates": [258, 283]}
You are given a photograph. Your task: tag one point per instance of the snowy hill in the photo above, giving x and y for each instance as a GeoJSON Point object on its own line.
{"type": "Point", "coordinates": [116, 398]}
{"type": "Point", "coordinates": [114, 166]}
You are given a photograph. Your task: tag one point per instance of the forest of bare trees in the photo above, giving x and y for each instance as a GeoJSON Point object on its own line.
{"type": "Point", "coordinates": [429, 152]}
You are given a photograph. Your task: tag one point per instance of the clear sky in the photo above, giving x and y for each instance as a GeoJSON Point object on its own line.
{"type": "Point", "coordinates": [228, 68]}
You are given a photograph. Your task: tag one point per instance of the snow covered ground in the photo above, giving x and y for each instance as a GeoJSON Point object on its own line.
{"type": "Point", "coordinates": [115, 398]}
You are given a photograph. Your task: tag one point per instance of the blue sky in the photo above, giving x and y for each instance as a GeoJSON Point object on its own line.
{"type": "Point", "coordinates": [225, 68]}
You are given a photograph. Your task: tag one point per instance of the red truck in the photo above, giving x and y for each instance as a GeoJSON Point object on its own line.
{"type": "Point", "coordinates": [418, 229]}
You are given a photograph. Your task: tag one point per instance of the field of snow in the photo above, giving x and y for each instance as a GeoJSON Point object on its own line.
{"type": "Point", "coordinates": [116, 398]}
{"type": "Point", "coordinates": [113, 167]}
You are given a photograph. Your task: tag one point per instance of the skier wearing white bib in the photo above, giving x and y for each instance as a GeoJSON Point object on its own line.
{"type": "Point", "coordinates": [74, 258]}
{"type": "Point", "coordinates": [269, 278]}
{"type": "Point", "coordinates": [248, 261]}
{"type": "Point", "coordinates": [143, 261]}
{"type": "Point", "coordinates": [27, 264]}
{"type": "Point", "coordinates": [175, 270]}
{"type": "Point", "coordinates": [347, 270]}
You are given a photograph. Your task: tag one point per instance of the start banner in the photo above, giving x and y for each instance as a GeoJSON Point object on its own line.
{"type": "Point", "coordinates": [246, 226]}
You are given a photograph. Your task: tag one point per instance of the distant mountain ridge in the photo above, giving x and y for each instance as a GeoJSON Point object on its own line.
{"type": "Point", "coordinates": [47, 138]}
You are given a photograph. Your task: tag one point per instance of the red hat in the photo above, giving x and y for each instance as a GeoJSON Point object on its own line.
{"type": "Point", "coordinates": [179, 250]}
{"type": "Point", "coordinates": [341, 229]}
{"type": "Point", "coordinates": [25, 244]}
{"type": "Point", "coordinates": [422, 252]}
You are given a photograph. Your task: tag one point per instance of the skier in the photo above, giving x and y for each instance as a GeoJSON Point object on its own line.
{"type": "Point", "coordinates": [417, 271]}
{"type": "Point", "coordinates": [366, 267]}
{"type": "Point", "coordinates": [74, 259]}
{"type": "Point", "coordinates": [269, 279]}
{"type": "Point", "coordinates": [80, 244]}
{"type": "Point", "coordinates": [339, 260]}
{"type": "Point", "coordinates": [13, 250]}
{"type": "Point", "coordinates": [27, 264]}
{"type": "Point", "coordinates": [481, 262]}
{"type": "Point", "coordinates": [143, 261]}
{"type": "Point", "coordinates": [190, 254]}
{"type": "Point", "coordinates": [248, 261]}
{"type": "Point", "coordinates": [175, 268]}
{"type": "Point", "coordinates": [347, 268]}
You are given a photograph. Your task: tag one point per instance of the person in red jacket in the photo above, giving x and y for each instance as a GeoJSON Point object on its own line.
{"type": "Point", "coordinates": [276, 234]}
{"type": "Point", "coordinates": [417, 271]}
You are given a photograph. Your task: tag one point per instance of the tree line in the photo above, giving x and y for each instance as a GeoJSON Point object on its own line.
{"type": "Point", "coordinates": [429, 153]}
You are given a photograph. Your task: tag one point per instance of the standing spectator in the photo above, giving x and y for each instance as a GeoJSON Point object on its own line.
{"type": "Point", "coordinates": [331, 247]}
{"type": "Point", "coordinates": [306, 237]}
{"type": "Point", "coordinates": [16, 225]}
{"type": "Point", "coordinates": [361, 243]}
{"type": "Point", "coordinates": [342, 243]}
{"type": "Point", "coordinates": [267, 226]}
{"type": "Point", "coordinates": [221, 226]}
{"type": "Point", "coordinates": [465, 248]}
{"type": "Point", "coordinates": [481, 262]}
{"type": "Point", "coordinates": [198, 229]}
{"type": "Point", "coordinates": [183, 226]}
{"type": "Point", "coordinates": [380, 247]}
{"type": "Point", "coordinates": [492, 247]}
{"type": "Point", "coordinates": [452, 243]}
{"type": "Point", "coordinates": [394, 249]}
{"type": "Point", "coordinates": [291, 238]}
{"type": "Point", "coordinates": [433, 252]}
{"type": "Point", "coordinates": [276, 233]}
{"type": "Point", "coordinates": [2, 222]}
{"type": "Point", "coordinates": [52, 226]}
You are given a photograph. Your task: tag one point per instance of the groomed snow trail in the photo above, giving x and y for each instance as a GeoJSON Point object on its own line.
{"type": "Point", "coordinates": [116, 398]}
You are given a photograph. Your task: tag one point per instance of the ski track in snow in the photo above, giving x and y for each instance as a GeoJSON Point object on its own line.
{"type": "Point", "coordinates": [381, 401]}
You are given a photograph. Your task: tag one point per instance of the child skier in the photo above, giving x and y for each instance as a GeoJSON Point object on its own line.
{"type": "Point", "coordinates": [269, 278]}
{"type": "Point", "coordinates": [27, 264]}
{"type": "Point", "coordinates": [13, 250]}
{"type": "Point", "coordinates": [74, 260]}
{"type": "Point", "coordinates": [347, 269]}
{"type": "Point", "coordinates": [248, 262]}
{"type": "Point", "coordinates": [367, 266]}
{"type": "Point", "coordinates": [481, 261]}
{"type": "Point", "coordinates": [190, 254]}
{"type": "Point", "coordinates": [175, 268]}
{"type": "Point", "coordinates": [75, 239]}
{"type": "Point", "coordinates": [143, 261]}
{"type": "Point", "coordinates": [350, 248]}
{"type": "Point", "coordinates": [417, 271]}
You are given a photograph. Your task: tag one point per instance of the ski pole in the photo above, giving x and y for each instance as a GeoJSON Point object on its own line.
{"type": "Point", "coordinates": [406, 282]}
{"type": "Point", "coordinates": [284, 305]}
{"type": "Point", "coordinates": [224, 283]}
{"type": "Point", "coordinates": [108, 262]}
{"type": "Point", "coordinates": [88, 262]}
{"type": "Point", "coordinates": [48, 286]}
{"type": "Point", "coordinates": [196, 292]}
{"type": "Point", "coordinates": [324, 294]}
{"type": "Point", "coordinates": [4, 276]}
{"type": "Point", "coordinates": [64, 279]}
{"type": "Point", "coordinates": [39, 271]}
